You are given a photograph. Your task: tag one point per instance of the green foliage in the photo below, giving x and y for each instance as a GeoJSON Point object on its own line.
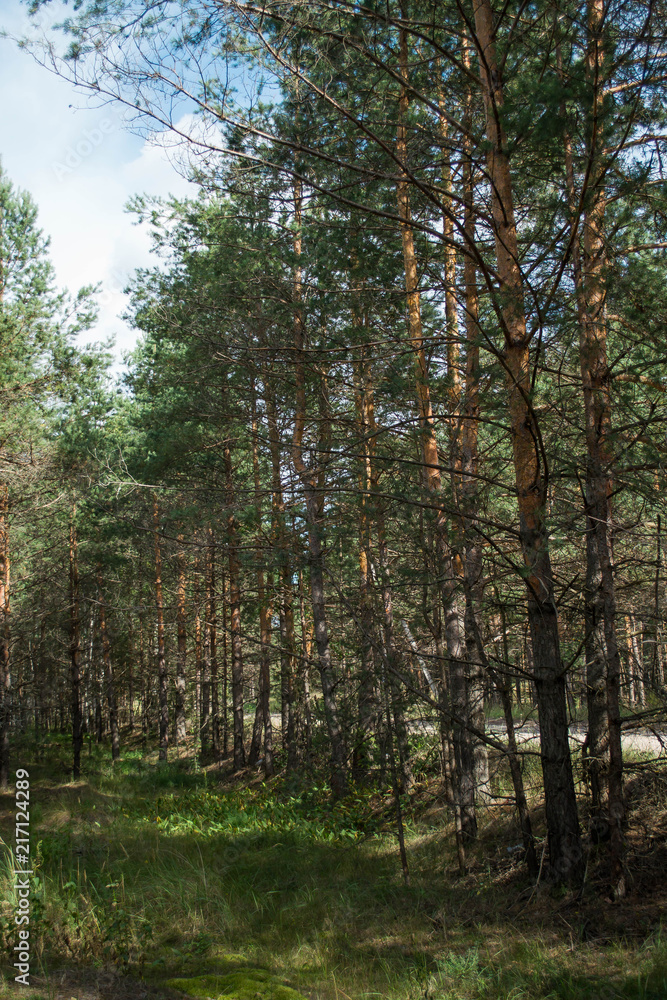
{"type": "Point", "coordinates": [310, 815]}
{"type": "Point", "coordinates": [264, 896]}
{"type": "Point", "coordinates": [246, 984]}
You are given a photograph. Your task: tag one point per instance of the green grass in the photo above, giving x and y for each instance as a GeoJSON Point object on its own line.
{"type": "Point", "coordinates": [166, 871]}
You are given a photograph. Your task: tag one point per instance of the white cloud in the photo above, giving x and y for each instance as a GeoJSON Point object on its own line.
{"type": "Point", "coordinates": [81, 166]}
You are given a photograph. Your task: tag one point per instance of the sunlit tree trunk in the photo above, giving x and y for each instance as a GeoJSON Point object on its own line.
{"type": "Point", "coordinates": [596, 380]}
{"type": "Point", "coordinates": [603, 666]}
{"type": "Point", "coordinates": [565, 849]}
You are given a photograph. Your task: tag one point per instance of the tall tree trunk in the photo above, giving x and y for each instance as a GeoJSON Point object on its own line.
{"type": "Point", "coordinates": [449, 563]}
{"type": "Point", "coordinates": [306, 644]}
{"type": "Point", "coordinates": [565, 850]}
{"type": "Point", "coordinates": [40, 679]}
{"type": "Point", "coordinates": [258, 724]}
{"type": "Point", "coordinates": [596, 380]}
{"type": "Point", "coordinates": [317, 593]}
{"type": "Point", "coordinates": [161, 659]}
{"type": "Point", "coordinates": [205, 640]}
{"type": "Point", "coordinates": [182, 642]}
{"type": "Point", "coordinates": [201, 684]}
{"type": "Point", "coordinates": [503, 684]}
{"type": "Point", "coordinates": [264, 703]}
{"type": "Point", "coordinates": [75, 649]}
{"type": "Point", "coordinates": [284, 584]}
{"type": "Point", "coordinates": [469, 456]}
{"type": "Point", "coordinates": [467, 685]}
{"type": "Point", "coordinates": [130, 672]}
{"type": "Point", "coordinates": [517, 780]}
{"type": "Point", "coordinates": [602, 652]}
{"type": "Point", "coordinates": [142, 652]}
{"type": "Point", "coordinates": [638, 661]}
{"type": "Point", "coordinates": [211, 616]}
{"type": "Point", "coordinates": [108, 670]}
{"type": "Point", "coordinates": [313, 498]}
{"type": "Point", "coordinates": [388, 644]}
{"type": "Point", "coordinates": [368, 705]}
{"type": "Point", "coordinates": [96, 671]}
{"type": "Point", "coordinates": [429, 447]}
{"type": "Point", "coordinates": [225, 668]}
{"type": "Point", "coordinates": [652, 633]}
{"type": "Point", "coordinates": [596, 745]}
{"type": "Point", "coordinates": [467, 698]}
{"type": "Point", "coordinates": [234, 613]}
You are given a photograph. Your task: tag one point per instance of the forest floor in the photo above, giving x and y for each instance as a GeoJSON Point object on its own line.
{"type": "Point", "coordinates": [148, 872]}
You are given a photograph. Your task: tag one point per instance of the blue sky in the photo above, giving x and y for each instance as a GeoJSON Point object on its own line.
{"type": "Point", "coordinates": [81, 165]}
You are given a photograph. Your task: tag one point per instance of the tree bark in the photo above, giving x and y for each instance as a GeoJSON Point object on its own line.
{"type": "Point", "coordinates": [388, 644]}
{"type": "Point", "coordinates": [234, 613]}
{"type": "Point", "coordinates": [212, 624]}
{"type": "Point", "coordinates": [449, 562]}
{"type": "Point", "coordinates": [108, 670]}
{"type": "Point", "coordinates": [369, 708]}
{"type": "Point", "coordinates": [75, 649]}
{"type": "Point", "coordinates": [201, 683]}
{"type": "Point", "coordinates": [313, 499]}
{"type": "Point", "coordinates": [182, 647]}
{"type": "Point", "coordinates": [602, 653]}
{"type": "Point", "coordinates": [163, 702]}
{"type": "Point", "coordinates": [265, 610]}
{"type": "Point", "coordinates": [469, 456]}
{"type": "Point", "coordinates": [288, 702]}
{"type": "Point", "coordinates": [130, 672]}
{"type": "Point", "coordinates": [565, 850]}
{"type": "Point", "coordinates": [596, 745]}
{"type": "Point", "coordinates": [306, 645]}
{"type": "Point", "coordinates": [225, 668]}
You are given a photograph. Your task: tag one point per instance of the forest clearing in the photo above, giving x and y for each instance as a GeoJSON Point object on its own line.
{"type": "Point", "coordinates": [333, 625]}
{"type": "Point", "coordinates": [153, 873]}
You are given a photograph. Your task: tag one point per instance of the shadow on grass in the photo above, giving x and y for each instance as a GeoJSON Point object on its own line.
{"type": "Point", "coordinates": [166, 872]}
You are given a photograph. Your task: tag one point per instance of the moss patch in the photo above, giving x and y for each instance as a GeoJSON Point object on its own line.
{"type": "Point", "coordinates": [244, 984]}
